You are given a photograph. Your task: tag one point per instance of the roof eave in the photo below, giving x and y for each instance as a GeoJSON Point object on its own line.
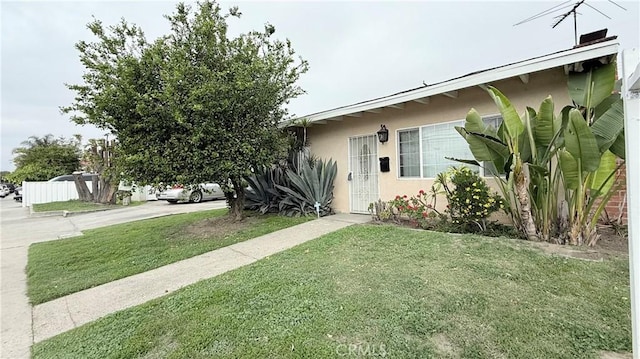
{"type": "Point", "coordinates": [555, 60]}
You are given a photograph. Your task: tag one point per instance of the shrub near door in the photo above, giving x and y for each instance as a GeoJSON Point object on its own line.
{"type": "Point", "coordinates": [470, 200]}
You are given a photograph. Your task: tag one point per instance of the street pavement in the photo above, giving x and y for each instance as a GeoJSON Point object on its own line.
{"type": "Point", "coordinates": [18, 230]}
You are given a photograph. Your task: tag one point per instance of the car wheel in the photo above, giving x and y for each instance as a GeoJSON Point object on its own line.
{"type": "Point", "coordinates": [195, 197]}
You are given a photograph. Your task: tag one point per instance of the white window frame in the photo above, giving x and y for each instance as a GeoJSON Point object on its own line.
{"type": "Point", "coordinates": [420, 145]}
{"type": "Point", "coordinates": [399, 176]}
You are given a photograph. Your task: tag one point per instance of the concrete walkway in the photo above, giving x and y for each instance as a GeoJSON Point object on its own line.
{"type": "Point", "coordinates": [62, 314]}
{"type": "Point", "coordinates": [18, 230]}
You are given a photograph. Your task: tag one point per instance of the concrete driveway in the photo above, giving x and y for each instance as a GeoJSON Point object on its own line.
{"type": "Point", "coordinates": [18, 230]}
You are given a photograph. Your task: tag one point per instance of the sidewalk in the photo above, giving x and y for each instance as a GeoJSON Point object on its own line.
{"type": "Point", "coordinates": [19, 231]}
{"type": "Point", "coordinates": [62, 314]}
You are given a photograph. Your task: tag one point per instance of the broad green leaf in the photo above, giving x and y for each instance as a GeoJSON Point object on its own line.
{"type": "Point", "coordinates": [479, 149]}
{"type": "Point", "coordinates": [569, 167]}
{"type": "Point", "coordinates": [590, 88]}
{"type": "Point", "coordinates": [461, 131]}
{"type": "Point", "coordinates": [510, 117]}
{"type": "Point", "coordinates": [608, 127]}
{"type": "Point", "coordinates": [485, 147]}
{"type": "Point", "coordinates": [604, 176]}
{"type": "Point", "coordinates": [498, 165]}
{"type": "Point", "coordinates": [546, 123]}
{"type": "Point", "coordinates": [527, 146]}
{"type": "Point", "coordinates": [469, 162]}
{"type": "Point", "coordinates": [581, 143]}
{"type": "Point", "coordinates": [501, 132]}
{"type": "Point", "coordinates": [524, 146]}
{"type": "Point", "coordinates": [605, 105]}
{"type": "Point", "coordinates": [474, 122]}
{"type": "Point", "coordinates": [618, 146]}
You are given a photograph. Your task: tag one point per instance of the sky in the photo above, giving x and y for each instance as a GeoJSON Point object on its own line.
{"type": "Point", "coordinates": [357, 50]}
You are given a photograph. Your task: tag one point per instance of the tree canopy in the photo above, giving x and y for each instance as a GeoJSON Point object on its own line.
{"type": "Point", "coordinates": [194, 105]}
{"type": "Point", "coordinates": [41, 158]}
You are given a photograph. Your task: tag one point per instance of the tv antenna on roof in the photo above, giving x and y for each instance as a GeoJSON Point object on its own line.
{"type": "Point", "coordinates": [573, 11]}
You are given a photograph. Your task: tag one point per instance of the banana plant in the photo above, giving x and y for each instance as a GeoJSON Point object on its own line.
{"type": "Point", "coordinates": [559, 170]}
{"type": "Point", "coordinates": [509, 149]}
{"type": "Point", "coordinates": [593, 141]}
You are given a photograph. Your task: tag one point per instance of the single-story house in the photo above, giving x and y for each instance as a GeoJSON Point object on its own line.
{"type": "Point", "coordinates": [420, 124]}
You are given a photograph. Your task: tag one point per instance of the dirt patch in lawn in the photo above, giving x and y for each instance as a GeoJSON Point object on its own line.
{"type": "Point", "coordinates": [219, 227]}
{"type": "Point", "coordinates": [444, 346]}
{"type": "Point", "coordinates": [612, 355]}
{"type": "Point", "coordinates": [612, 244]}
{"type": "Point", "coordinates": [612, 241]}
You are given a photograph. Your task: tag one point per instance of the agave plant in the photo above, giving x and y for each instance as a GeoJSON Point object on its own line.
{"type": "Point", "coordinates": [262, 194]}
{"type": "Point", "coordinates": [313, 185]}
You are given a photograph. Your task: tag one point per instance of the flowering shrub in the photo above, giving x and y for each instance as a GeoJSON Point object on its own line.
{"type": "Point", "coordinates": [470, 203]}
{"type": "Point", "coordinates": [470, 200]}
{"type": "Point", "coordinates": [419, 209]}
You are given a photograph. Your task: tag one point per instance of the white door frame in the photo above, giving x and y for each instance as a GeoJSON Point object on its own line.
{"type": "Point", "coordinates": [375, 172]}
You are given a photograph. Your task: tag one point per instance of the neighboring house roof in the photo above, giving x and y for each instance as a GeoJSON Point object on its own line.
{"type": "Point", "coordinates": [571, 60]}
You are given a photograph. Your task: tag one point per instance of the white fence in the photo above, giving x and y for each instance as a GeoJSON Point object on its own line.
{"type": "Point", "coordinates": [45, 192]}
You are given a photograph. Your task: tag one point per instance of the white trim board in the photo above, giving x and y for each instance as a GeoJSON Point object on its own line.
{"type": "Point", "coordinates": [522, 68]}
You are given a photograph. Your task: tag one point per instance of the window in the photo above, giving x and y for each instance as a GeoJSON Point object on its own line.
{"type": "Point", "coordinates": [422, 151]}
{"type": "Point", "coordinates": [440, 141]}
{"type": "Point", "coordinates": [409, 152]}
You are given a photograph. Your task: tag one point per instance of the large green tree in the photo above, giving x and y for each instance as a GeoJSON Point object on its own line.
{"type": "Point", "coordinates": [192, 106]}
{"type": "Point", "coordinates": [41, 158]}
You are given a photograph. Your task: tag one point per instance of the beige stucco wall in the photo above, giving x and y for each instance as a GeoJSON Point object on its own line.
{"type": "Point", "coordinates": [331, 140]}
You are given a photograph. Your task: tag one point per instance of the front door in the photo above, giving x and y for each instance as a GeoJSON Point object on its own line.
{"type": "Point", "coordinates": [363, 153]}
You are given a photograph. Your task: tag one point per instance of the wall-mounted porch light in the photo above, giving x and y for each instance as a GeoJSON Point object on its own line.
{"type": "Point", "coordinates": [383, 134]}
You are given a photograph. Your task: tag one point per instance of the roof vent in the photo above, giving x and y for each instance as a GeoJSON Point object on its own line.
{"type": "Point", "coordinates": [594, 38]}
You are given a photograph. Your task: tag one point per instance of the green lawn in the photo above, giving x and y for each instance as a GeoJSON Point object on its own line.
{"type": "Point", "coordinates": [77, 206]}
{"type": "Point", "coordinates": [102, 255]}
{"type": "Point", "coordinates": [378, 291]}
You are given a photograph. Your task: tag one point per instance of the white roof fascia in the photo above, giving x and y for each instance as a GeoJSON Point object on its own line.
{"type": "Point", "coordinates": [504, 72]}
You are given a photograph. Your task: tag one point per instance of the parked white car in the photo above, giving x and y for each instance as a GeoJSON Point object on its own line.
{"type": "Point", "coordinates": [203, 192]}
{"type": "Point", "coordinates": [4, 191]}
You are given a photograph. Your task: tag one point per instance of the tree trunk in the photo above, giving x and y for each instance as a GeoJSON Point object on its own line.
{"type": "Point", "coordinates": [236, 203]}
{"type": "Point", "coordinates": [106, 191]}
{"type": "Point", "coordinates": [81, 186]}
{"type": "Point", "coordinates": [522, 193]}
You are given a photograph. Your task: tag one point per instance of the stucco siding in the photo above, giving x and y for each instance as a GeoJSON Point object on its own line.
{"type": "Point", "coordinates": [330, 140]}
